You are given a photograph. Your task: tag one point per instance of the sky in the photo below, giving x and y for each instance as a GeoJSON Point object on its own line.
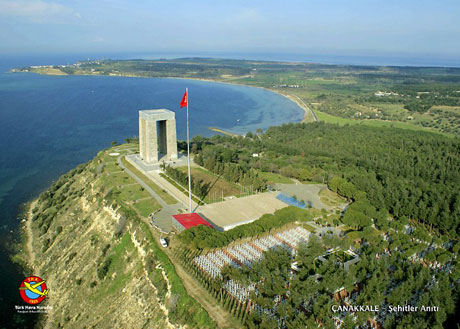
{"type": "Point", "coordinates": [363, 27]}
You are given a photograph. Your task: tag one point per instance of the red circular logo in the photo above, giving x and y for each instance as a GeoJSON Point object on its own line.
{"type": "Point", "coordinates": [33, 290]}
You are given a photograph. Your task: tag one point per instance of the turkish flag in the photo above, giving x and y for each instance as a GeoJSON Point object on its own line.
{"type": "Point", "coordinates": [183, 102]}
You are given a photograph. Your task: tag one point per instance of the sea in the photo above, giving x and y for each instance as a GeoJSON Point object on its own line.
{"type": "Point", "coordinates": [50, 124]}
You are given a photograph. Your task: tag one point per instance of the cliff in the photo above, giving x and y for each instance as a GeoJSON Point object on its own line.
{"type": "Point", "coordinates": [99, 258]}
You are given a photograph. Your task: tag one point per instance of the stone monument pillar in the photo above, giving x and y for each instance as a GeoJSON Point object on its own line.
{"type": "Point", "coordinates": [157, 135]}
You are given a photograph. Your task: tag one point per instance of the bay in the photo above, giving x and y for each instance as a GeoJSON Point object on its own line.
{"type": "Point", "coordinates": [50, 124]}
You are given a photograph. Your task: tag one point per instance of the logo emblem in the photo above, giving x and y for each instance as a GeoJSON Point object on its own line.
{"type": "Point", "coordinates": [33, 290]}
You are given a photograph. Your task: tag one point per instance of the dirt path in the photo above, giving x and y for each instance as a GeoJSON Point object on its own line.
{"type": "Point", "coordinates": [215, 310]}
{"type": "Point", "coordinates": [222, 317]}
{"type": "Point", "coordinates": [309, 113]}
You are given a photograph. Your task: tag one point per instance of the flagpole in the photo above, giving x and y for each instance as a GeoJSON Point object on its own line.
{"type": "Point", "coordinates": [188, 158]}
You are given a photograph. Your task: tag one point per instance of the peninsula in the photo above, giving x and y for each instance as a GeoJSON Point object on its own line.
{"type": "Point", "coordinates": [416, 98]}
{"type": "Point", "coordinates": [303, 225]}
{"type": "Point", "coordinates": [95, 233]}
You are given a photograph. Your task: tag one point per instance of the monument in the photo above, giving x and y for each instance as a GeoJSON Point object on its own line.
{"type": "Point", "coordinates": [157, 135]}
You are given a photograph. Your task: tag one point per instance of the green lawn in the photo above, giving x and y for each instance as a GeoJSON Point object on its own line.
{"type": "Point", "coordinates": [308, 227]}
{"type": "Point", "coordinates": [133, 193]}
{"type": "Point", "coordinates": [116, 179]}
{"type": "Point", "coordinates": [147, 206]}
{"type": "Point", "coordinates": [322, 116]}
{"type": "Point", "coordinates": [330, 198]}
{"type": "Point", "coordinates": [181, 188]}
{"type": "Point", "coordinates": [158, 190]}
{"type": "Point", "coordinates": [111, 167]}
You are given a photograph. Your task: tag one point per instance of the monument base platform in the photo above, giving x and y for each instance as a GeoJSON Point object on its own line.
{"type": "Point", "coordinates": [136, 161]}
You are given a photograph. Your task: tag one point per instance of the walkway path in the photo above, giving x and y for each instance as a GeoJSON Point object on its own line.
{"type": "Point", "coordinates": [172, 189]}
{"type": "Point", "coordinates": [162, 219]}
{"type": "Point", "coordinates": [222, 317]}
{"type": "Point", "coordinates": [315, 118]}
{"type": "Point", "coordinates": [140, 181]}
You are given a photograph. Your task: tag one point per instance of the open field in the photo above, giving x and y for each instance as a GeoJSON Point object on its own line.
{"type": "Point", "coordinates": [133, 192]}
{"type": "Point", "coordinates": [116, 179]}
{"type": "Point", "coordinates": [330, 198]}
{"type": "Point", "coordinates": [49, 71]}
{"type": "Point", "coordinates": [376, 123]}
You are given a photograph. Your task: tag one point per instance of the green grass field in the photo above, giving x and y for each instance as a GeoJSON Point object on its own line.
{"type": "Point", "coordinates": [181, 188]}
{"type": "Point", "coordinates": [330, 198]}
{"type": "Point", "coordinates": [308, 227]}
{"type": "Point", "coordinates": [146, 206]}
{"type": "Point", "coordinates": [116, 179]}
{"type": "Point", "coordinates": [376, 123]}
{"type": "Point", "coordinates": [158, 190]}
{"type": "Point", "coordinates": [111, 167]}
{"type": "Point", "coordinates": [133, 192]}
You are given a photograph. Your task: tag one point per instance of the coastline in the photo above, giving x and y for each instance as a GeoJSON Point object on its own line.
{"type": "Point", "coordinates": [309, 114]}
{"type": "Point", "coordinates": [222, 131]}
{"type": "Point", "coordinates": [29, 236]}
{"type": "Point", "coordinates": [300, 103]}
{"type": "Point", "coordinates": [23, 253]}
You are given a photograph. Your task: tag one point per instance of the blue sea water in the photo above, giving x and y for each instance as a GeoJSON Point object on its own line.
{"type": "Point", "coordinates": [50, 124]}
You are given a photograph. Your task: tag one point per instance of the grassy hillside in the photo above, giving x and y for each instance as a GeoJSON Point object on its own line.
{"type": "Point", "coordinates": [87, 239]}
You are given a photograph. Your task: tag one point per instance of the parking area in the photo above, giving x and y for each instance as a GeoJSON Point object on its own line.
{"type": "Point", "coordinates": [305, 192]}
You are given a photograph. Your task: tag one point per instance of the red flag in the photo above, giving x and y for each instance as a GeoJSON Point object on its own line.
{"type": "Point", "coordinates": [183, 102]}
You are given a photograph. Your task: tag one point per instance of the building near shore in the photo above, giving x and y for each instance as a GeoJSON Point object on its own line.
{"type": "Point", "coordinates": [185, 221]}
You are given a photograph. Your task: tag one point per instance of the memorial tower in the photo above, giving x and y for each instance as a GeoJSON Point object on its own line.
{"type": "Point", "coordinates": [157, 135]}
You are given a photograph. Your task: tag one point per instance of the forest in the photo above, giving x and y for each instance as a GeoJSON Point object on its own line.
{"type": "Point", "coordinates": [315, 287]}
{"type": "Point", "coordinates": [202, 237]}
{"type": "Point", "coordinates": [199, 188]}
{"type": "Point", "coordinates": [403, 221]}
{"type": "Point", "coordinates": [410, 175]}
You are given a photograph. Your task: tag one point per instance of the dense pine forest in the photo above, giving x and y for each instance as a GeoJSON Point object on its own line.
{"type": "Point", "coordinates": [410, 175]}
{"type": "Point", "coordinates": [403, 221]}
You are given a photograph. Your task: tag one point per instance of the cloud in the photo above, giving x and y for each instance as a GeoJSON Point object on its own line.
{"type": "Point", "coordinates": [38, 11]}
{"type": "Point", "coordinates": [248, 15]}
{"type": "Point", "coordinates": [97, 39]}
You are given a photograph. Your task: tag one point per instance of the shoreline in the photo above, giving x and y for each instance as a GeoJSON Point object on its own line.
{"type": "Point", "coordinates": [29, 236]}
{"type": "Point", "coordinates": [306, 109]}
{"type": "Point", "coordinates": [222, 131]}
{"type": "Point", "coordinates": [23, 254]}
{"type": "Point", "coordinates": [27, 257]}
{"type": "Point", "coordinates": [300, 103]}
